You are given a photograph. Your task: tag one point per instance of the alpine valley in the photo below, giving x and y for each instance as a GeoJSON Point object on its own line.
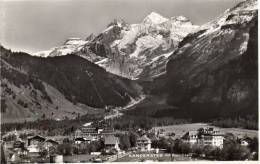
{"type": "Point", "coordinates": [167, 67]}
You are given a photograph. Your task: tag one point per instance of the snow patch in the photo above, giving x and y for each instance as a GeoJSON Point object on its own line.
{"type": "Point", "coordinates": [102, 63]}
{"type": "Point", "coordinates": [155, 18]}
{"type": "Point", "coordinates": [43, 54]}
{"type": "Point", "coordinates": [166, 55]}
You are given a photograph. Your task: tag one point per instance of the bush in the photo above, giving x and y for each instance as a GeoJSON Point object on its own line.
{"type": "Point", "coordinates": [197, 150]}
{"type": "Point", "coordinates": [133, 138]}
{"type": "Point", "coordinates": [124, 142]}
{"type": "Point", "coordinates": [234, 151]}
{"type": "Point", "coordinates": [161, 143]}
{"type": "Point", "coordinates": [181, 147]}
{"type": "Point", "coordinates": [65, 149]}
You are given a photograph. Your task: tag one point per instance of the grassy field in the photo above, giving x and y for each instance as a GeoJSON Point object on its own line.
{"type": "Point", "coordinates": [179, 130]}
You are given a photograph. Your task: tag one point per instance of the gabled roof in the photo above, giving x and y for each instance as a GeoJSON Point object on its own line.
{"type": "Point", "coordinates": [51, 141]}
{"type": "Point", "coordinates": [36, 137]}
{"type": "Point", "coordinates": [111, 140]}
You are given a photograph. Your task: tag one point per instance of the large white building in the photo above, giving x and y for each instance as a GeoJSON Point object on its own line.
{"type": "Point", "coordinates": [205, 136]}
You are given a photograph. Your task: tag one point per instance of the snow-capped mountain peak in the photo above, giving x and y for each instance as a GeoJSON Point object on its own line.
{"type": "Point", "coordinates": [127, 49]}
{"type": "Point", "coordinates": [154, 18]}
{"type": "Point", "coordinates": [71, 45]}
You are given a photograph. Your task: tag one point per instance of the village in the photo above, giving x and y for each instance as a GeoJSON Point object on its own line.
{"type": "Point", "coordinates": [92, 143]}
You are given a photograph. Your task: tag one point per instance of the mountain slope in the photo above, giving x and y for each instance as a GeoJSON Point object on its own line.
{"type": "Point", "coordinates": [76, 79]}
{"type": "Point", "coordinates": [214, 71]}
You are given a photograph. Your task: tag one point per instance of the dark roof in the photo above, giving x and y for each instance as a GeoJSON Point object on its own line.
{"type": "Point", "coordinates": [80, 139]}
{"type": "Point", "coordinates": [52, 141]}
{"type": "Point", "coordinates": [111, 140]}
{"type": "Point", "coordinates": [37, 137]}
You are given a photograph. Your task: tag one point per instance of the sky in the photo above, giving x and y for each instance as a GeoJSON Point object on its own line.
{"type": "Point", "coordinates": [35, 25]}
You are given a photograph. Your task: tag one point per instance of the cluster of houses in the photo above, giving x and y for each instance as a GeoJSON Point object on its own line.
{"type": "Point", "coordinates": [20, 150]}
{"type": "Point", "coordinates": [203, 136]}
{"type": "Point", "coordinates": [109, 135]}
{"type": "Point", "coordinates": [34, 145]}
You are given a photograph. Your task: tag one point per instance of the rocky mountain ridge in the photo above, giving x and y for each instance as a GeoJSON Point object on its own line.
{"type": "Point", "coordinates": [129, 49]}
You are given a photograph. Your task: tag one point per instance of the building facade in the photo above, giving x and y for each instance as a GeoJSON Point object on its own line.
{"type": "Point", "coordinates": [111, 142]}
{"type": "Point", "coordinates": [205, 136]}
{"type": "Point", "coordinates": [143, 143]}
{"type": "Point", "coordinates": [94, 133]}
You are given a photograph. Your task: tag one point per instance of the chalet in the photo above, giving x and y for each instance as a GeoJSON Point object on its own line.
{"type": "Point", "coordinates": [50, 143]}
{"type": "Point", "coordinates": [111, 142]}
{"type": "Point", "coordinates": [34, 145]}
{"type": "Point", "coordinates": [204, 136]}
{"type": "Point", "coordinates": [35, 140]}
{"type": "Point", "coordinates": [144, 143]}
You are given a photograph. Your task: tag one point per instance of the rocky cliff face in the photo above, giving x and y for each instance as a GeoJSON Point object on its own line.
{"type": "Point", "coordinates": [130, 50]}
{"type": "Point", "coordinates": [214, 71]}
{"type": "Point", "coordinates": [32, 85]}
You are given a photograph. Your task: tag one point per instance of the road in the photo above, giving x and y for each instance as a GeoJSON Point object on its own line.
{"type": "Point", "coordinates": [116, 112]}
